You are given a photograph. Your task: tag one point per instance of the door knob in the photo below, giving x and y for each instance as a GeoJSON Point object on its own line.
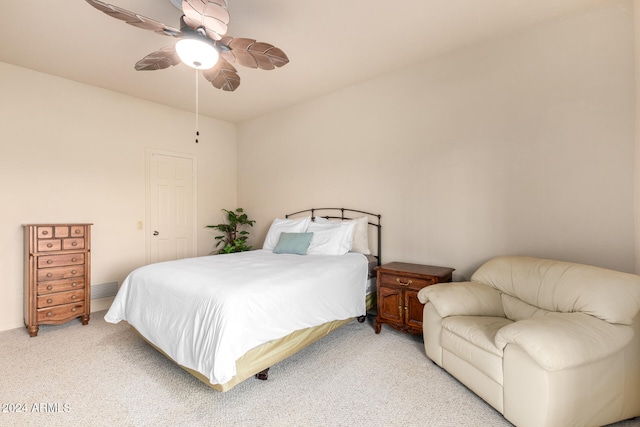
{"type": "Point", "coordinates": [155, 233]}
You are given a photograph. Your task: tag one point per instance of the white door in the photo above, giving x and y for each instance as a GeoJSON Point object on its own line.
{"type": "Point", "coordinates": [170, 206]}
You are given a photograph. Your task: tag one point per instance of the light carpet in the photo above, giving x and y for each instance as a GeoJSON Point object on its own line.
{"type": "Point", "coordinates": [106, 375]}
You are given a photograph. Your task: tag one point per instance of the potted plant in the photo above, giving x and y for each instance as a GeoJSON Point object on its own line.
{"type": "Point", "coordinates": [233, 237]}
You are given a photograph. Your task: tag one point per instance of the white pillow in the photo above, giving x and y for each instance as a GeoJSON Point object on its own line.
{"type": "Point", "coordinates": [298, 225]}
{"type": "Point", "coordinates": [330, 239]}
{"type": "Point", "coordinates": [360, 233]}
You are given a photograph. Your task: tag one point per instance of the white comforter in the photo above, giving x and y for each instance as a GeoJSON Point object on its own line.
{"type": "Point", "coordinates": [208, 311]}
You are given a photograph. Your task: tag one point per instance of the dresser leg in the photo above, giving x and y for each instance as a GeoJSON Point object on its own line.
{"type": "Point", "coordinates": [85, 319]}
{"type": "Point", "coordinates": [33, 330]}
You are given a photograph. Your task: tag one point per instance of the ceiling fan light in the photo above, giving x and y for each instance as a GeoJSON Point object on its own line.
{"type": "Point", "coordinates": [197, 53]}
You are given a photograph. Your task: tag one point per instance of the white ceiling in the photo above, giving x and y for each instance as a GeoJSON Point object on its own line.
{"type": "Point", "coordinates": [331, 44]}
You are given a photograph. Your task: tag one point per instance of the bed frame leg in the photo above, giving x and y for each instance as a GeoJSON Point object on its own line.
{"type": "Point", "coordinates": [361, 319]}
{"type": "Point", "coordinates": [264, 375]}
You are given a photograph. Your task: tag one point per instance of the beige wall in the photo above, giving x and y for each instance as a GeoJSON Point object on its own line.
{"type": "Point", "coordinates": [522, 145]}
{"type": "Point", "coordinates": [75, 153]}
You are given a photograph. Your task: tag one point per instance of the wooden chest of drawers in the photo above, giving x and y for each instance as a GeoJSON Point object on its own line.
{"type": "Point", "coordinates": [398, 286]}
{"type": "Point", "coordinates": [57, 274]}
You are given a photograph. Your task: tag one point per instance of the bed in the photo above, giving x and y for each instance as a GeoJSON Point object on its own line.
{"type": "Point", "coordinates": [225, 318]}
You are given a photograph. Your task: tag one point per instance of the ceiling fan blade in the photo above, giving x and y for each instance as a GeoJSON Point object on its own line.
{"type": "Point", "coordinates": [134, 19]}
{"type": "Point", "coordinates": [253, 54]}
{"type": "Point", "coordinates": [223, 76]}
{"type": "Point", "coordinates": [158, 60]}
{"type": "Point", "coordinates": [212, 15]}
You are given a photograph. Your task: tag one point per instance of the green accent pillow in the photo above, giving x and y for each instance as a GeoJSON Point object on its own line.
{"type": "Point", "coordinates": [293, 243]}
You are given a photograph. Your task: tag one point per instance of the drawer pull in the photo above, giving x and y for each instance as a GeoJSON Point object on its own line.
{"type": "Point", "coordinates": [44, 233]}
{"type": "Point", "coordinates": [74, 259]}
{"type": "Point", "coordinates": [401, 283]}
{"type": "Point", "coordinates": [49, 301]}
{"type": "Point", "coordinates": [74, 243]}
{"type": "Point", "coordinates": [74, 309]}
{"type": "Point", "coordinates": [49, 274]}
{"type": "Point", "coordinates": [77, 231]}
{"type": "Point", "coordinates": [49, 261]}
{"type": "Point", "coordinates": [74, 296]}
{"type": "Point", "coordinates": [49, 245]}
{"type": "Point", "coordinates": [74, 271]}
{"type": "Point", "coordinates": [49, 287]}
{"type": "Point", "coordinates": [49, 314]}
{"type": "Point", "coordinates": [74, 284]}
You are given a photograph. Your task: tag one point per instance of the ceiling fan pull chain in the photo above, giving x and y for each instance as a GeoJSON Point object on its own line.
{"type": "Point", "coordinates": [197, 131]}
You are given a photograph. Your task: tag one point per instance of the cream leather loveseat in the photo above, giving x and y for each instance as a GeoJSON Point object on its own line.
{"type": "Point", "coordinates": [544, 342]}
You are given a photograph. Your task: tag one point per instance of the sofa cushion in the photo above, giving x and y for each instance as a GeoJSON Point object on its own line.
{"type": "Point", "coordinates": [565, 340]}
{"type": "Point", "coordinates": [565, 287]}
{"type": "Point", "coordinates": [472, 338]}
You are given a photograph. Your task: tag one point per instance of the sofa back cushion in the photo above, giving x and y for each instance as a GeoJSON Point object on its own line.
{"type": "Point", "coordinates": [515, 309]}
{"type": "Point", "coordinates": [565, 287]}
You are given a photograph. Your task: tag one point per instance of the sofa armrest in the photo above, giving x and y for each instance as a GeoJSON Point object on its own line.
{"type": "Point", "coordinates": [463, 299]}
{"type": "Point", "coordinates": [565, 340]}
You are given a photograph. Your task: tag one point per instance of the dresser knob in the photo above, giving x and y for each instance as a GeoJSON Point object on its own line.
{"type": "Point", "coordinates": [74, 259]}
{"type": "Point", "coordinates": [77, 231]}
{"type": "Point", "coordinates": [74, 309]}
{"type": "Point", "coordinates": [49, 245]}
{"type": "Point", "coordinates": [74, 284]}
{"type": "Point", "coordinates": [49, 287]}
{"type": "Point", "coordinates": [49, 301]}
{"type": "Point", "coordinates": [44, 233]}
{"type": "Point", "coordinates": [74, 244]}
{"type": "Point", "coordinates": [49, 274]}
{"type": "Point", "coordinates": [74, 296]}
{"type": "Point", "coordinates": [74, 271]}
{"type": "Point", "coordinates": [49, 314]}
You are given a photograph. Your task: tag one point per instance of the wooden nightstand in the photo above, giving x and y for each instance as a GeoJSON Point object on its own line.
{"type": "Point", "coordinates": [398, 284]}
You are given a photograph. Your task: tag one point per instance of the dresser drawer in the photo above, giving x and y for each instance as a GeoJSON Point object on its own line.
{"type": "Point", "coordinates": [395, 280]}
{"type": "Point", "coordinates": [60, 285]}
{"type": "Point", "coordinates": [60, 312]}
{"type": "Point", "coordinates": [77, 231]}
{"type": "Point", "coordinates": [45, 245]}
{"type": "Point", "coordinates": [60, 298]}
{"type": "Point", "coordinates": [60, 273]}
{"type": "Point", "coordinates": [44, 232]}
{"type": "Point", "coordinates": [60, 260]}
{"type": "Point", "coordinates": [68, 244]}
{"type": "Point", "coordinates": [61, 231]}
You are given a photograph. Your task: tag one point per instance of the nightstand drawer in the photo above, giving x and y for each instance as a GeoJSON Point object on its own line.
{"type": "Point", "coordinates": [416, 283]}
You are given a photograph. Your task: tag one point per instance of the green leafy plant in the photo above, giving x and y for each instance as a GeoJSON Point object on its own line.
{"type": "Point", "coordinates": [233, 237]}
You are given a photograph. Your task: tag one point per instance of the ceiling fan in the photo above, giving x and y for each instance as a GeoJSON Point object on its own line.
{"type": "Point", "coordinates": [202, 43]}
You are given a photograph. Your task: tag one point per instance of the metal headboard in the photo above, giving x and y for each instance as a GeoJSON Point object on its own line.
{"type": "Point", "coordinates": [344, 214]}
